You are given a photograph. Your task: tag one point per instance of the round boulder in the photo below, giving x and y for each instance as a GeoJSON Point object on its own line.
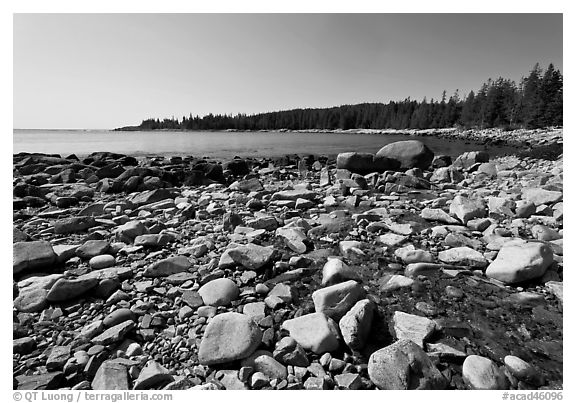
{"type": "Point", "coordinates": [219, 292]}
{"type": "Point", "coordinates": [408, 154]}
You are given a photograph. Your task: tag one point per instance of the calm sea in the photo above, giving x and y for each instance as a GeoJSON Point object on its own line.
{"type": "Point", "coordinates": [222, 144]}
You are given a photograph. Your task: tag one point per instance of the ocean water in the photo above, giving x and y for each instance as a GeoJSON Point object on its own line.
{"type": "Point", "coordinates": [222, 145]}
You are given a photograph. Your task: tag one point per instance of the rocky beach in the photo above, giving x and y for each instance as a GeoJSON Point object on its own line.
{"type": "Point", "coordinates": [395, 270]}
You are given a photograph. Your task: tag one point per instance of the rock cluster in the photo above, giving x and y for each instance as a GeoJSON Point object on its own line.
{"type": "Point", "coordinates": [179, 273]}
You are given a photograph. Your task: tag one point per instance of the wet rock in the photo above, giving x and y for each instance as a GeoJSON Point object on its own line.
{"type": "Point", "coordinates": [355, 325]}
{"type": "Point", "coordinates": [520, 262]}
{"type": "Point", "coordinates": [168, 267]}
{"type": "Point", "coordinates": [228, 337]}
{"type": "Point", "coordinates": [315, 332]}
{"type": "Point", "coordinates": [219, 292]}
{"type": "Point", "coordinates": [412, 327]}
{"type": "Point", "coordinates": [33, 255]}
{"type": "Point", "coordinates": [404, 366]}
{"type": "Point", "coordinates": [152, 375]}
{"type": "Point", "coordinates": [482, 373]}
{"type": "Point", "coordinates": [337, 299]}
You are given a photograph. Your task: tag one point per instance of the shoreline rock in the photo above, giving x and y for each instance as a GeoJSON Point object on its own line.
{"type": "Point", "coordinates": [179, 274]}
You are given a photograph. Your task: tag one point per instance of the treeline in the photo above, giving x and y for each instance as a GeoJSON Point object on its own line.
{"type": "Point", "coordinates": [535, 102]}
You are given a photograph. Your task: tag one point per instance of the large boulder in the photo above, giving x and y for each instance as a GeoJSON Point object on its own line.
{"type": "Point", "coordinates": [237, 167]}
{"type": "Point", "coordinates": [404, 366]}
{"type": "Point", "coordinates": [408, 154]}
{"type": "Point", "coordinates": [32, 255]}
{"type": "Point", "coordinates": [483, 373]}
{"type": "Point", "coordinates": [229, 337]}
{"type": "Point", "coordinates": [363, 163]}
{"type": "Point", "coordinates": [315, 332]}
{"type": "Point", "coordinates": [520, 261]}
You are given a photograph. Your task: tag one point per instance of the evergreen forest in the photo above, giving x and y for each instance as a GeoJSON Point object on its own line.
{"type": "Point", "coordinates": [534, 102]}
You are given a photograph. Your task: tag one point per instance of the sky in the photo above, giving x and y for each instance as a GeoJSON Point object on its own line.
{"type": "Point", "coordinates": [101, 71]}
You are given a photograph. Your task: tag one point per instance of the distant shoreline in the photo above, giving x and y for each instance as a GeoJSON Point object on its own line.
{"type": "Point", "coordinates": [517, 137]}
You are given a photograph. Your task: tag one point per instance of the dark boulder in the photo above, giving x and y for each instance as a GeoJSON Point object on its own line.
{"type": "Point", "coordinates": [441, 161]}
{"type": "Point", "coordinates": [112, 170]}
{"type": "Point", "coordinates": [129, 161]}
{"type": "Point", "coordinates": [238, 167]}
